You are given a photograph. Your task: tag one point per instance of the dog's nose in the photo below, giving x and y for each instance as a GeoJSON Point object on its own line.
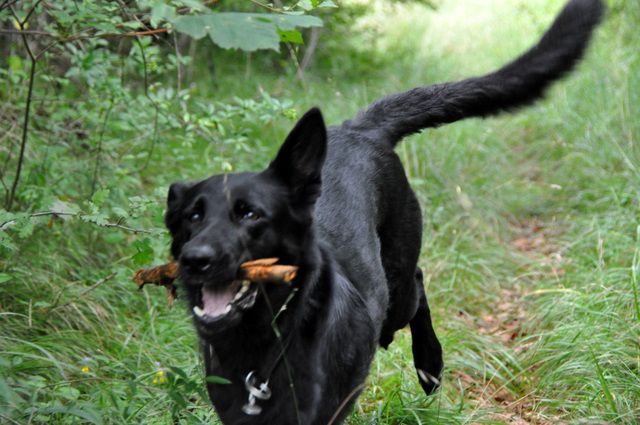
{"type": "Point", "coordinates": [197, 259]}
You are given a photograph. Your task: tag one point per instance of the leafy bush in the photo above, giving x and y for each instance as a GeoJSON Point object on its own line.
{"type": "Point", "coordinates": [98, 121]}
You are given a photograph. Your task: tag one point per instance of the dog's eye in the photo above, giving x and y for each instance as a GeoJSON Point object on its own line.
{"type": "Point", "coordinates": [244, 212]}
{"type": "Point", "coordinates": [197, 212]}
{"type": "Point", "coordinates": [250, 215]}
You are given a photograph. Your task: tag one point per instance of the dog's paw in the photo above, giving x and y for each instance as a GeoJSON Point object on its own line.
{"type": "Point", "coordinates": [428, 381]}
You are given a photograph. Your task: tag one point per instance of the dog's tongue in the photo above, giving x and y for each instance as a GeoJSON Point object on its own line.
{"type": "Point", "coordinates": [216, 300]}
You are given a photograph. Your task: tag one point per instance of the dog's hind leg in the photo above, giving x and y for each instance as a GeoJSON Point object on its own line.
{"type": "Point", "coordinates": [427, 352]}
{"type": "Point", "coordinates": [403, 306]}
{"type": "Point", "coordinates": [400, 247]}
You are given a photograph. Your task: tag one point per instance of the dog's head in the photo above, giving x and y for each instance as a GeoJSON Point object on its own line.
{"type": "Point", "coordinates": [219, 223]}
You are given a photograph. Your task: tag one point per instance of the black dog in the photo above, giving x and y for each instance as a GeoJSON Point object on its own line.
{"type": "Point", "coordinates": [336, 203]}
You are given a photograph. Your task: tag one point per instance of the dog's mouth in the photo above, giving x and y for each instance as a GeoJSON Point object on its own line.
{"type": "Point", "coordinates": [215, 304]}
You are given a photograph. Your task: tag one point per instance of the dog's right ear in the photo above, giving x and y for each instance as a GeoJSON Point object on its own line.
{"type": "Point", "coordinates": [299, 161]}
{"type": "Point", "coordinates": [173, 216]}
{"type": "Point", "coordinates": [174, 203]}
{"type": "Point", "coordinates": [176, 193]}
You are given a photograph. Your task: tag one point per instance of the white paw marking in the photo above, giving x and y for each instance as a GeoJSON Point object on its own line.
{"type": "Point", "coordinates": [426, 377]}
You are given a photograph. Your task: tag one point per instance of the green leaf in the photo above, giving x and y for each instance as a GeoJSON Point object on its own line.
{"type": "Point", "coordinates": [87, 415]}
{"type": "Point", "coordinates": [25, 229]}
{"type": "Point", "coordinates": [194, 4]}
{"type": "Point", "coordinates": [305, 4]}
{"type": "Point", "coordinates": [120, 212]}
{"type": "Point", "coordinates": [194, 26]}
{"type": "Point", "coordinates": [134, 25]}
{"type": "Point", "coordinates": [144, 253]}
{"type": "Point", "coordinates": [6, 242]}
{"type": "Point", "coordinates": [605, 386]}
{"type": "Point", "coordinates": [100, 196]}
{"type": "Point", "coordinates": [328, 3]}
{"type": "Point", "coordinates": [293, 36]}
{"type": "Point", "coordinates": [289, 22]}
{"type": "Point", "coordinates": [114, 238]}
{"type": "Point", "coordinates": [290, 113]}
{"type": "Point", "coordinates": [217, 380]}
{"type": "Point", "coordinates": [15, 63]}
{"type": "Point", "coordinates": [181, 373]}
{"type": "Point", "coordinates": [4, 277]}
{"type": "Point", "coordinates": [68, 393]}
{"type": "Point", "coordinates": [234, 30]}
{"type": "Point", "coordinates": [96, 217]}
{"type": "Point", "coordinates": [162, 12]}
{"type": "Point", "coordinates": [245, 31]}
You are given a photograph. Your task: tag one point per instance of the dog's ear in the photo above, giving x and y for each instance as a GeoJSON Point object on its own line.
{"type": "Point", "coordinates": [173, 216]}
{"type": "Point", "coordinates": [176, 192]}
{"type": "Point", "coordinates": [174, 202]}
{"type": "Point", "coordinates": [299, 161]}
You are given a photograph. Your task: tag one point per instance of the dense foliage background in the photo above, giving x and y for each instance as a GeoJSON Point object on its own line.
{"type": "Point", "coordinates": [531, 245]}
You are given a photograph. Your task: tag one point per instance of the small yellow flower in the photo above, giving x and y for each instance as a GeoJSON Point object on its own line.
{"type": "Point", "coordinates": [160, 378]}
{"type": "Point", "coordinates": [85, 369]}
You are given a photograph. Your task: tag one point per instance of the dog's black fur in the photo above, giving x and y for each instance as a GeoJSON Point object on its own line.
{"type": "Point", "coordinates": [336, 203]}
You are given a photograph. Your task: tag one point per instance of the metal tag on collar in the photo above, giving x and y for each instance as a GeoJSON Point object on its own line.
{"type": "Point", "coordinates": [251, 408]}
{"type": "Point", "coordinates": [257, 390]}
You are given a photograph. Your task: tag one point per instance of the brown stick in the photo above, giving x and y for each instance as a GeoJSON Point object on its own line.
{"type": "Point", "coordinates": [163, 275]}
{"type": "Point", "coordinates": [264, 270]}
{"type": "Point", "coordinates": [160, 275]}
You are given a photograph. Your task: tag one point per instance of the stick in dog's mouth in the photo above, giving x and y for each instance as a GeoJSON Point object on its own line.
{"type": "Point", "coordinates": [216, 302]}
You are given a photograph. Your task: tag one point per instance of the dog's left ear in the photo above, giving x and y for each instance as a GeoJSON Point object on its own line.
{"type": "Point", "coordinates": [299, 161]}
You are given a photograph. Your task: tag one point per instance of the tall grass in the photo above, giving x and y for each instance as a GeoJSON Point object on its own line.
{"type": "Point", "coordinates": [531, 247]}
{"type": "Point", "coordinates": [569, 164]}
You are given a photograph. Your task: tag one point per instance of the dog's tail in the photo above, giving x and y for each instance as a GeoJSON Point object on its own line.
{"type": "Point", "coordinates": [516, 84]}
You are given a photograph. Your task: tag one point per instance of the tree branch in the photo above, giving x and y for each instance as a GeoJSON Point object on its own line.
{"type": "Point", "coordinates": [128, 229]}
{"type": "Point", "coordinates": [85, 292]}
{"type": "Point", "coordinates": [179, 67]}
{"type": "Point", "coordinates": [96, 168]}
{"type": "Point", "coordinates": [309, 52]}
{"type": "Point", "coordinates": [27, 32]}
{"type": "Point", "coordinates": [153, 102]}
{"type": "Point", "coordinates": [82, 37]}
{"type": "Point", "coordinates": [33, 9]}
{"type": "Point", "coordinates": [7, 3]}
{"type": "Point", "coordinates": [8, 223]}
{"type": "Point", "coordinates": [27, 110]}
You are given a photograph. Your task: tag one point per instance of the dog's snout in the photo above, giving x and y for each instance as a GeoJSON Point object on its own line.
{"type": "Point", "coordinates": [197, 259]}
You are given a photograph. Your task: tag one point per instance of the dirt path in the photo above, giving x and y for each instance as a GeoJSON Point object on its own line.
{"type": "Point", "coordinates": [534, 242]}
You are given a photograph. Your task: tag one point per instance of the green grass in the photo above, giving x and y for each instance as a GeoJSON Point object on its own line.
{"type": "Point", "coordinates": [531, 246]}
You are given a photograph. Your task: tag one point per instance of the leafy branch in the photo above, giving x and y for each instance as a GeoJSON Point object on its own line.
{"type": "Point", "coordinates": [229, 30]}
{"type": "Point", "coordinates": [85, 36]}
{"type": "Point", "coordinates": [84, 217]}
